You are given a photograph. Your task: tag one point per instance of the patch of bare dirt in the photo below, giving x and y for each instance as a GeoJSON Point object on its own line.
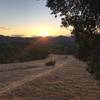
{"type": "Point", "coordinates": [67, 80]}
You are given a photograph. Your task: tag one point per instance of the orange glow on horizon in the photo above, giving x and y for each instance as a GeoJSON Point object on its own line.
{"type": "Point", "coordinates": [38, 30]}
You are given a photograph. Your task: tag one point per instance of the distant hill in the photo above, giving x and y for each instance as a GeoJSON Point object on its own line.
{"type": "Point", "coordinates": [16, 49]}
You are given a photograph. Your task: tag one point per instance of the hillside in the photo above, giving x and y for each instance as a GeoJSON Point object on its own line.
{"type": "Point", "coordinates": [67, 80]}
{"type": "Point", "coordinates": [11, 48]}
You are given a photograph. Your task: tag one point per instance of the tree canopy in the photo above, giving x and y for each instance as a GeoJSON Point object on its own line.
{"type": "Point", "coordinates": [77, 12]}
{"type": "Point", "coordinates": [84, 15]}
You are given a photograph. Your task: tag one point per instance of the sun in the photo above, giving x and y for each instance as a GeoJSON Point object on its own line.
{"type": "Point", "coordinates": [44, 34]}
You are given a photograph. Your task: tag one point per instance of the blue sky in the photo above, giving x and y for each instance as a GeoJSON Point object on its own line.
{"type": "Point", "coordinates": [28, 17]}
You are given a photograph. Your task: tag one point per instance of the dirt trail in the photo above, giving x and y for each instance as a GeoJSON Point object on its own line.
{"type": "Point", "coordinates": [18, 83]}
{"type": "Point", "coordinates": [67, 80]}
{"type": "Point", "coordinates": [41, 71]}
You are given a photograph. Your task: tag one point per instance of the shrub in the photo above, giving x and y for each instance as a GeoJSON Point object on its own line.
{"type": "Point", "coordinates": [96, 75]}
{"type": "Point", "coordinates": [94, 69]}
{"type": "Point", "coordinates": [51, 63]}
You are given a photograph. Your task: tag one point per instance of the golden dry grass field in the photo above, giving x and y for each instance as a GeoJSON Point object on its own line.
{"type": "Point", "coordinates": [67, 80]}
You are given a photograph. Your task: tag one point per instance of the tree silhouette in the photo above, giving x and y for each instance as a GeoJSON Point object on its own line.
{"type": "Point", "coordinates": [84, 15]}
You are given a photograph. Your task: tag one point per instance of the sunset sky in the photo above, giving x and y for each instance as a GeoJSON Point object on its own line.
{"type": "Point", "coordinates": [28, 18]}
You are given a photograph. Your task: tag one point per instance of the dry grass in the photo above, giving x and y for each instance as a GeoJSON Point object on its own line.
{"type": "Point", "coordinates": [67, 80]}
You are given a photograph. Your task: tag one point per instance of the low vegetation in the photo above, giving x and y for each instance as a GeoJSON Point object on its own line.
{"type": "Point", "coordinates": [17, 49]}
{"type": "Point", "coordinates": [51, 63]}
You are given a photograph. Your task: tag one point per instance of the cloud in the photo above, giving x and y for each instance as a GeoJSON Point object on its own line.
{"type": "Point", "coordinates": [2, 28]}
